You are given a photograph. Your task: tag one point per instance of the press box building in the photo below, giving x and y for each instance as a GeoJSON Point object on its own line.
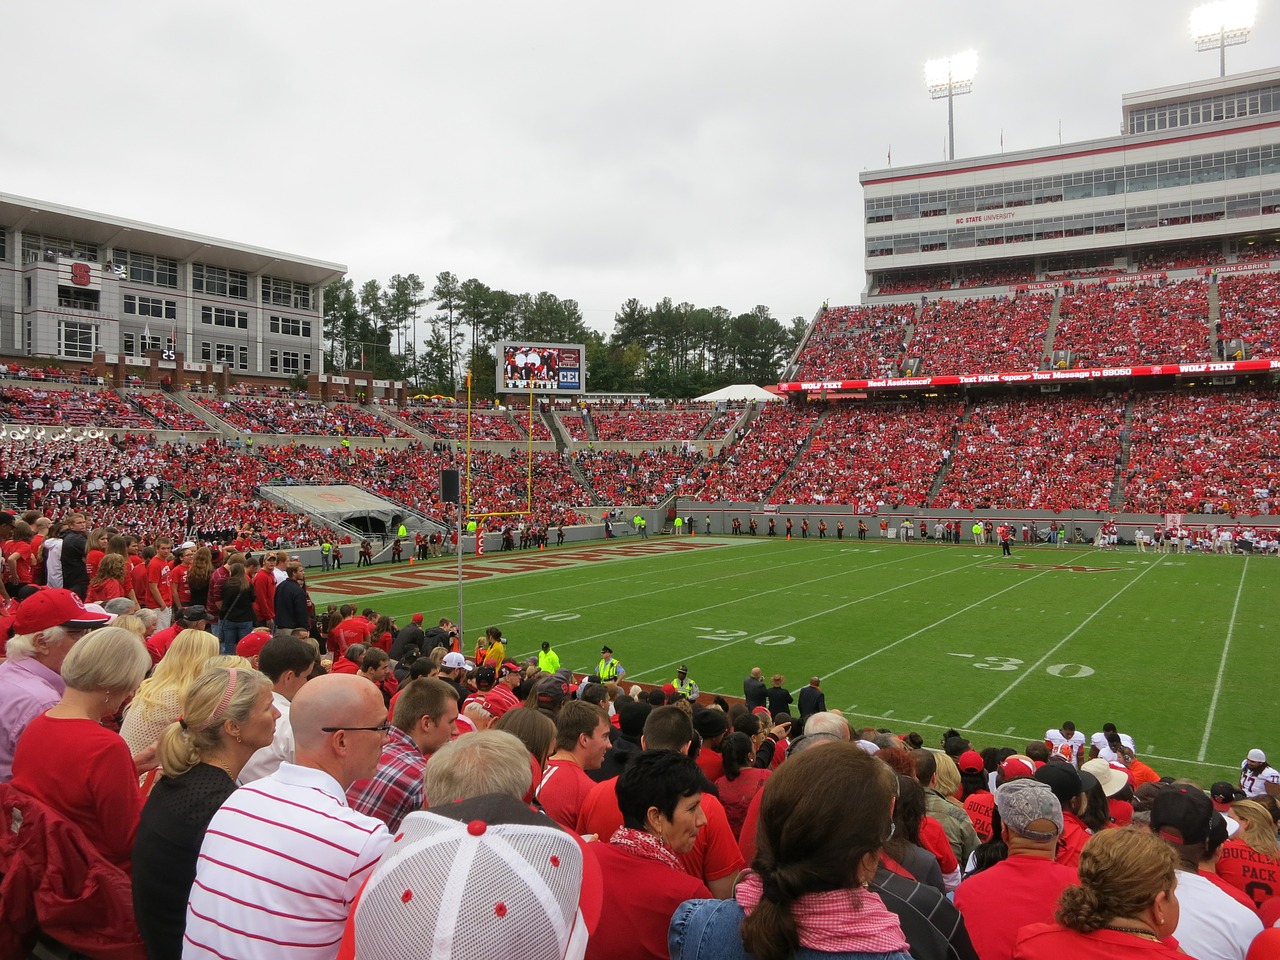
{"type": "Point", "coordinates": [75, 284]}
{"type": "Point", "coordinates": [1196, 163]}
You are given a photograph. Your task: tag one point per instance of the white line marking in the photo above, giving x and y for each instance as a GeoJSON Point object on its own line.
{"type": "Point", "coordinates": [1009, 731]}
{"type": "Point", "coordinates": [785, 626]}
{"type": "Point", "coordinates": [1057, 646]}
{"type": "Point", "coordinates": [937, 623]}
{"type": "Point", "coordinates": [1222, 664]}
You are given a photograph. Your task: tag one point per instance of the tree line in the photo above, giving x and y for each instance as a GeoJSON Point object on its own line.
{"type": "Point", "coordinates": [400, 330]}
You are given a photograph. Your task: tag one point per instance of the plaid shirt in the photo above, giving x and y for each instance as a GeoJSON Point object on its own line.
{"type": "Point", "coordinates": [396, 789]}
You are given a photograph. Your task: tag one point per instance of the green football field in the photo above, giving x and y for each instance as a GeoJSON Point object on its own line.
{"type": "Point", "coordinates": [1178, 651]}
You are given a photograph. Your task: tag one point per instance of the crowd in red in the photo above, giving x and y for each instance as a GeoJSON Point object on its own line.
{"type": "Point", "coordinates": [960, 336]}
{"type": "Point", "coordinates": [750, 467]}
{"type": "Point", "coordinates": [856, 341]}
{"type": "Point", "coordinates": [997, 275]}
{"type": "Point", "coordinates": [166, 413]}
{"type": "Point", "coordinates": [451, 424]}
{"type": "Point", "coordinates": [1250, 309]}
{"type": "Point", "coordinates": [70, 408]}
{"type": "Point", "coordinates": [650, 426]}
{"type": "Point", "coordinates": [1038, 453]}
{"type": "Point", "coordinates": [1204, 452]}
{"type": "Point", "coordinates": [618, 477]}
{"type": "Point", "coordinates": [870, 455]}
{"type": "Point", "coordinates": [259, 414]}
{"type": "Point", "coordinates": [1157, 323]}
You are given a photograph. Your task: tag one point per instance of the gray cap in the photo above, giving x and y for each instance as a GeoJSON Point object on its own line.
{"type": "Point", "coordinates": [1022, 802]}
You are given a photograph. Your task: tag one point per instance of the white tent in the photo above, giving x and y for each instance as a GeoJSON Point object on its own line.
{"type": "Point", "coordinates": [740, 391]}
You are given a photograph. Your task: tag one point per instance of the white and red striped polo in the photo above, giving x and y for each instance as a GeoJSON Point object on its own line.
{"type": "Point", "coordinates": [280, 865]}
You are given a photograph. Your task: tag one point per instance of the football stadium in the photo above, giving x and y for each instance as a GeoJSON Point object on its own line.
{"type": "Point", "coordinates": [1008, 524]}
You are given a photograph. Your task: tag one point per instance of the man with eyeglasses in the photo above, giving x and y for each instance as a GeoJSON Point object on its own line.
{"type": "Point", "coordinates": [282, 860]}
{"type": "Point", "coordinates": [47, 626]}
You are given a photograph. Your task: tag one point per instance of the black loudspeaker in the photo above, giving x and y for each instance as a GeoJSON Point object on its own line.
{"type": "Point", "coordinates": [449, 487]}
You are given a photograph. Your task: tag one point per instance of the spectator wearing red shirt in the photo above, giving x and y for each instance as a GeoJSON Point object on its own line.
{"type": "Point", "coordinates": [348, 630]}
{"type": "Point", "coordinates": [1023, 888]}
{"type": "Point", "coordinates": [19, 562]}
{"type": "Point", "coordinates": [159, 588]}
{"type": "Point", "coordinates": [264, 592]}
{"type": "Point", "coordinates": [582, 739]}
{"type": "Point", "coordinates": [715, 857]}
{"type": "Point", "coordinates": [178, 571]}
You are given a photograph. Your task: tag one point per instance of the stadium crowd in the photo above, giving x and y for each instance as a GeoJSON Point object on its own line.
{"type": "Point", "coordinates": [1151, 323]}
{"type": "Point", "coordinates": [1037, 453]}
{"type": "Point", "coordinates": [960, 336]}
{"type": "Point", "coordinates": [856, 341]}
{"type": "Point", "coordinates": [248, 776]}
{"type": "Point", "coordinates": [1204, 452]}
{"type": "Point", "coordinates": [845, 461]}
{"type": "Point", "coordinates": [250, 414]}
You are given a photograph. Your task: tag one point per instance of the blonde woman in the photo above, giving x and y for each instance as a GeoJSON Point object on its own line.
{"type": "Point", "coordinates": [159, 699]}
{"type": "Point", "coordinates": [227, 714]}
{"type": "Point", "coordinates": [1250, 861]}
{"type": "Point", "coordinates": [73, 764]}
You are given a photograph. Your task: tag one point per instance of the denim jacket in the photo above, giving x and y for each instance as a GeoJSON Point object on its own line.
{"type": "Point", "coordinates": [708, 930]}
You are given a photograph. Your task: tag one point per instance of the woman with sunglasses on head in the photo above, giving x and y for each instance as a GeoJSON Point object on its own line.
{"type": "Point", "coordinates": [817, 851]}
{"type": "Point", "coordinates": [227, 714]}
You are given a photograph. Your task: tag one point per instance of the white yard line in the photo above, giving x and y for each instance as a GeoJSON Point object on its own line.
{"type": "Point", "coordinates": [1057, 646]}
{"type": "Point", "coordinates": [936, 623]}
{"type": "Point", "coordinates": [786, 626]}
{"type": "Point", "coordinates": [1222, 663]}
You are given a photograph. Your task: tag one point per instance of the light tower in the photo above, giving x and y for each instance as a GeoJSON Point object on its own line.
{"type": "Point", "coordinates": [1225, 23]}
{"type": "Point", "coordinates": [950, 77]}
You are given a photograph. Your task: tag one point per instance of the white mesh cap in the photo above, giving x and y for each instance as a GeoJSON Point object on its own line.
{"type": "Point", "coordinates": [483, 891]}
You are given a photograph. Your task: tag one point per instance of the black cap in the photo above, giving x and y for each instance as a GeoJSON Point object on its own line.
{"type": "Point", "coordinates": [193, 613]}
{"type": "Point", "coordinates": [710, 723]}
{"type": "Point", "coordinates": [1063, 779]}
{"type": "Point", "coordinates": [1182, 815]}
{"type": "Point", "coordinates": [606, 650]}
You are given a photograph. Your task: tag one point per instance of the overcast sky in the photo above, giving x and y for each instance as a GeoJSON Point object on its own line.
{"type": "Point", "coordinates": [706, 151]}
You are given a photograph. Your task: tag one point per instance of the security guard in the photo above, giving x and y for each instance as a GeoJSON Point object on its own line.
{"type": "Point", "coordinates": [609, 669]}
{"type": "Point", "coordinates": [684, 686]}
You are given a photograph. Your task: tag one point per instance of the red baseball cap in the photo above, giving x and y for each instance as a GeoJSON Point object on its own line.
{"type": "Point", "coordinates": [50, 608]}
{"type": "Point", "coordinates": [417, 618]}
{"type": "Point", "coordinates": [251, 644]}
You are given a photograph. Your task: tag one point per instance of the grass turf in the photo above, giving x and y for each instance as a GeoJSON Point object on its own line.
{"type": "Point", "coordinates": [1172, 649]}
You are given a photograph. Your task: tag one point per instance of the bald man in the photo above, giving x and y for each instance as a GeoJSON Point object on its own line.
{"type": "Point", "coordinates": [283, 858]}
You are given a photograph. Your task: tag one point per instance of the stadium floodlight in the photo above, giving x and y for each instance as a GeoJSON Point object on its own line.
{"type": "Point", "coordinates": [950, 77]}
{"type": "Point", "coordinates": [1225, 23]}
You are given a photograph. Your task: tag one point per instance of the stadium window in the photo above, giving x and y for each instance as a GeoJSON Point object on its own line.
{"type": "Point", "coordinates": [128, 344]}
{"type": "Point", "coordinates": [37, 247]}
{"type": "Point", "coordinates": [78, 341]}
{"type": "Point", "coordinates": [273, 361]}
{"type": "Point", "coordinates": [242, 353]}
{"type": "Point", "coordinates": [290, 326]}
{"type": "Point", "coordinates": [74, 298]}
{"type": "Point", "coordinates": [150, 307]}
{"type": "Point", "coordinates": [4, 245]}
{"type": "Point", "coordinates": [206, 351]}
{"type": "Point", "coordinates": [224, 317]}
{"type": "Point", "coordinates": [286, 293]}
{"type": "Point", "coordinates": [148, 269]}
